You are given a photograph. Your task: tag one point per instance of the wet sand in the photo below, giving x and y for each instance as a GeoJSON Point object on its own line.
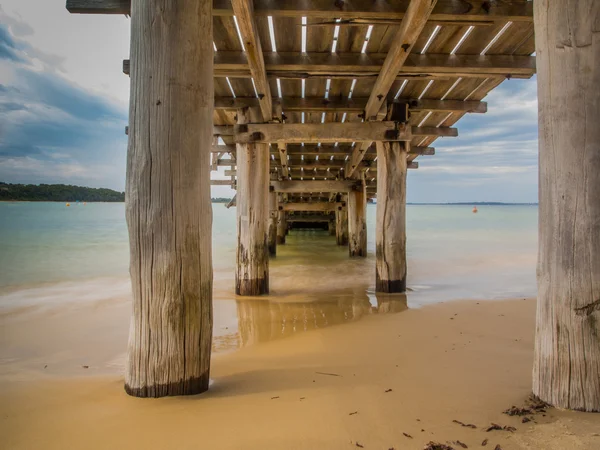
{"type": "Point", "coordinates": [384, 381]}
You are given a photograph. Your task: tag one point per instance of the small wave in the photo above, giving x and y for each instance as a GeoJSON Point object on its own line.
{"type": "Point", "coordinates": [58, 294]}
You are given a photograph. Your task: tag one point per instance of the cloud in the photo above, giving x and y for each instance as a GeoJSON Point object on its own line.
{"type": "Point", "coordinates": [494, 158]}
{"type": "Point", "coordinates": [52, 130]}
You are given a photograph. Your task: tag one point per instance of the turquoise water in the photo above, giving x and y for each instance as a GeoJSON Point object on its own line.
{"type": "Point", "coordinates": [53, 253]}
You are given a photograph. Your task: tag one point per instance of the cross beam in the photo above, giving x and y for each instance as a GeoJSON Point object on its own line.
{"type": "Point", "coordinates": [444, 11]}
{"type": "Point", "coordinates": [301, 187]}
{"type": "Point", "coordinates": [319, 104]}
{"type": "Point", "coordinates": [297, 133]}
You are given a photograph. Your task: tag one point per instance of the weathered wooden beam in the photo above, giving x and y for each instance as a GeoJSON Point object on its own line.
{"type": "Point", "coordinates": [283, 159]}
{"type": "Point", "coordinates": [219, 148]}
{"type": "Point", "coordinates": [312, 206]}
{"type": "Point", "coordinates": [361, 65]}
{"type": "Point", "coordinates": [243, 11]}
{"type": "Point", "coordinates": [99, 6]}
{"type": "Point", "coordinates": [434, 131]}
{"type": "Point", "coordinates": [470, 106]}
{"type": "Point", "coordinates": [413, 22]}
{"type": "Point", "coordinates": [357, 65]}
{"type": "Point", "coordinates": [295, 186]}
{"type": "Point", "coordinates": [356, 104]}
{"type": "Point", "coordinates": [445, 10]}
{"type": "Point", "coordinates": [473, 12]}
{"type": "Point", "coordinates": [220, 182]}
{"type": "Point", "coordinates": [322, 132]}
{"type": "Point", "coordinates": [307, 218]}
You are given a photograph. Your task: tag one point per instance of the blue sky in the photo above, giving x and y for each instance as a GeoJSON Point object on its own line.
{"type": "Point", "coordinates": [63, 110]}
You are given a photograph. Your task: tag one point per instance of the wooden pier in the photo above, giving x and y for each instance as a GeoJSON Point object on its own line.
{"type": "Point", "coordinates": [317, 107]}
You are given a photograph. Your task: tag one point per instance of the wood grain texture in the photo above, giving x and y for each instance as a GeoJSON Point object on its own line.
{"type": "Point", "coordinates": [566, 369]}
{"type": "Point", "coordinates": [414, 20]}
{"type": "Point", "coordinates": [244, 12]}
{"type": "Point", "coordinates": [357, 221]}
{"type": "Point", "coordinates": [281, 227]}
{"type": "Point", "coordinates": [390, 234]}
{"type": "Point", "coordinates": [341, 226]}
{"type": "Point", "coordinates": [168, 206]}
{"type": "Point", "coordinates": [252, 267]}
{"type": "Point", "coordinates": [273, 214]}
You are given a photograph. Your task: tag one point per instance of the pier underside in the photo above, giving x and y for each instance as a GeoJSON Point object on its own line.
{"type": "Point", "coordinates": [313, 109]}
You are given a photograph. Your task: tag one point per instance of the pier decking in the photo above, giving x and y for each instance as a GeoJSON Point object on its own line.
{"type": "Point", "coordinates": [315, 107]}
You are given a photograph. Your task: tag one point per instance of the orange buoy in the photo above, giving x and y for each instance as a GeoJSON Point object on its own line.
{"type": "Point", "coordinates": [474, 209]}
{"type": "Point", "coordinates": [68, 204]}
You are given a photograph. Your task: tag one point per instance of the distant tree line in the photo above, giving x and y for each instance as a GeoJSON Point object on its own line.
{"type": "Point", "coordinates": [58, 193]}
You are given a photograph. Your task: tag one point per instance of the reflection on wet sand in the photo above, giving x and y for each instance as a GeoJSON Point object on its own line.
{"type": "Point", "coordinates": [261, 320]}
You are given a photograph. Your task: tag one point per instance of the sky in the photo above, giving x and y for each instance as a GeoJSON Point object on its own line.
{"type": "Point", "coordinates": [64, 106]}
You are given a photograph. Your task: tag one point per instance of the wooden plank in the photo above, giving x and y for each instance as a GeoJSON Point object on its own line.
{"type": "Point", "coordinates": [445, 10]}
{"type": "Point", "coordinates": [322, 132]}
{"type": "Point", "coordinates": [312, 206]}
{"type": "Point", "coordinates": [357, 65]}
{"type": "Point", "coordinates": [356, 104]}
{"type": "Point", "coordinates": [243, 10]}
{"type": "Point", "coordinates": [301, 187]}
{"type": "Point", "coordinates": [220, 182]}
{"type": "Point", "coordinates": [99, 6]}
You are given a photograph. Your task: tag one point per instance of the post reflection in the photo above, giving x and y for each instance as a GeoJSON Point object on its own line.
{"type": "Point", "coordinates": [262, 320]}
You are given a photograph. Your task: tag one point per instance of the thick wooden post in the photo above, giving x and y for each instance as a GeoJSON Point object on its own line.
{"type": "Point", "coordinates": [341, 226]}
{"type": "Point", "coordinates": [281, 227]}
{"type": "Point", "coordinates": [390, 235]}
{"type": "Point", "coordinates": [168, 207]}
{"type": "Point", "coordinates": [566, 370]}
{"type": "Point", "coordinates": [252, 268]}
{"type": "Point", "coordinates": [357, 221]}
{"type": "Point", "coordinates": [273, 214]}
{"type": "Point", "coordinates": [331, 227]}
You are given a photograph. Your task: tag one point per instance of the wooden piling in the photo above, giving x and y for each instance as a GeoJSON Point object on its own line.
{"type": "Point", "coordinates": [252, 268]}
{"type": "Point", "coordinates": [357, 220]}
{"type": "Point", "coordinates": [273, 215]}
{"type": "Point", "coordinates": [390, 235]}
{"type": "Point", "coordinates": [281, 227]}
{"type": "Point", "coordinates": [168, 205]}
{"type": "Point", "coordinates": [566, 370]}
{"type": "Point", "coordinates": [341, 226]}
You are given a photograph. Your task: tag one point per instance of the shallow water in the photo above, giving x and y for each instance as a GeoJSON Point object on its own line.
{"type": "Point", "coordinates": [56, 257]}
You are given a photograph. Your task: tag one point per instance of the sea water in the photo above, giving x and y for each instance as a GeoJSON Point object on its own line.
{"type": "Point", "coordinates": [54, 256]}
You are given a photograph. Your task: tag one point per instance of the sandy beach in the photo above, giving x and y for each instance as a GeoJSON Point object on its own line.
{"type": "Point", "coordinates": [396, 380]}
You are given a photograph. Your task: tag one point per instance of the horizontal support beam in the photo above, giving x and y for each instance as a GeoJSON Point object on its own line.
{"type": "Point", "coordinates": [358, 65]}
{"type": "Point", "coordinates": [362, 65]}
{"type": "Point", "coordinates": [309, 219]}
{"type": "Point", "coordinates": [321, 132]}
{"type": "Point", "coordinates": [221, 182]}
{"type": "Point", "coordinates": [469, 106]}
{"type": "Point", "coordinates": [312, 206]}
{"type": "Point", "coordinates": [302, 187]}
{"type": "Point", "coordinates": [357, 104]}
{"type": "Point", "coordinates": [444, 11]}
{"type": "Point", "coordinates": [296, 133]}
{"type": "Point", "coordinates": [99, 6]}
